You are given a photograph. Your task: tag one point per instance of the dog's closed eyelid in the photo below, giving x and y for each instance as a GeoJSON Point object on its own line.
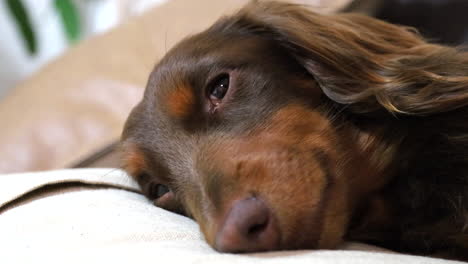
{"type": "Point", "coordinates": [154, 187]}
{"type": "Point", "coordinates": [158, 190]}
{"type": "Point", "coordinates": [169, 201]}
{"type": "Point", "coordinates": [163, 198]}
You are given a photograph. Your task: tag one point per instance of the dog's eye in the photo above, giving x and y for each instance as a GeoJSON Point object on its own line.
{"type": "Point", "coordinates": [219, 88]}
{"type": "Point", "coordinates": [158, 190]}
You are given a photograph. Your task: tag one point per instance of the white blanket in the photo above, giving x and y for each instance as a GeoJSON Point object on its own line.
{"type": "Point", "coordinates": [110, 225]}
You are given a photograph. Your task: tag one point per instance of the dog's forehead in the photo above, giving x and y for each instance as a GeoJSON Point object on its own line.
{"type": "Point", "coordinates": [233, 46]}
{"type": "Point", "coordinates": [198, 54]}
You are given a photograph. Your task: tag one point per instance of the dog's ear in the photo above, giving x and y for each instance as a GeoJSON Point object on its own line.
{"type": "Point", "coordinates": [365, 63]}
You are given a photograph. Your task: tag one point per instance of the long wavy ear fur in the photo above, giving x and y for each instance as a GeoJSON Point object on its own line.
{"type": "Point", "coordinates": [366, 63]}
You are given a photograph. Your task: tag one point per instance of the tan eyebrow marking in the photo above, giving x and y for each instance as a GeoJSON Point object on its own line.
{"type": "Point", "coordinates": [180, 102]}
{"type": "Point", "coordinates": [133, 160]}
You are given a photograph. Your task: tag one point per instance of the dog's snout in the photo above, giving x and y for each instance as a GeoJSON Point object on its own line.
{"type": "Point", "coordinates": [249, 226]}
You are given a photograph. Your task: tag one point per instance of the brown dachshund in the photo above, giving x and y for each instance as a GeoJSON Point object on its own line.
{"type": "Point", "coordinates": [280, 128]}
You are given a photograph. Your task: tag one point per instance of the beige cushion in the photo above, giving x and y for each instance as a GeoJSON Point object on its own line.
{"type": "Point", "coordinates": [117, 225]}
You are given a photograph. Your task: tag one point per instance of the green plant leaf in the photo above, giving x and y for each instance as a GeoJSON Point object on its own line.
{"type": "Point", "coordinates": [23, 22]}
{"type": "Point", "coordinates": [70, 19]}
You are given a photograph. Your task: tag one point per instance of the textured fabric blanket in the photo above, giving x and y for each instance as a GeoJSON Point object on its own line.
{"type": "Point", "coordinates": [98, 216]}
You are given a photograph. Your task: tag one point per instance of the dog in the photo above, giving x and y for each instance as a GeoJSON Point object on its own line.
{"type": "Point", "coordinates": [279, 128]}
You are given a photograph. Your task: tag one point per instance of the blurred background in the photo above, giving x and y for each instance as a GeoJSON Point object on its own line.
{"type": "Point", "coordinates": [35, 31]}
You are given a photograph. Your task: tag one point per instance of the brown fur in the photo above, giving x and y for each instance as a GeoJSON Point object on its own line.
{"type": "Point", "coordinates": [180, 102]}
{"type": "Point", "coordinates": [345, 126]}
{"type": "Point", "coordinates": [133, 160]}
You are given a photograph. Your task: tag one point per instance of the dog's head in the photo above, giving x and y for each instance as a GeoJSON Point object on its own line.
{"type": "Point", "coordinates": [240, 126]}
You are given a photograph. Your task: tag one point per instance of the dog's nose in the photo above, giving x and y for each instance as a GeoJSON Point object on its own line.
{"type": "Point", "coordinates": [248, 227]}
